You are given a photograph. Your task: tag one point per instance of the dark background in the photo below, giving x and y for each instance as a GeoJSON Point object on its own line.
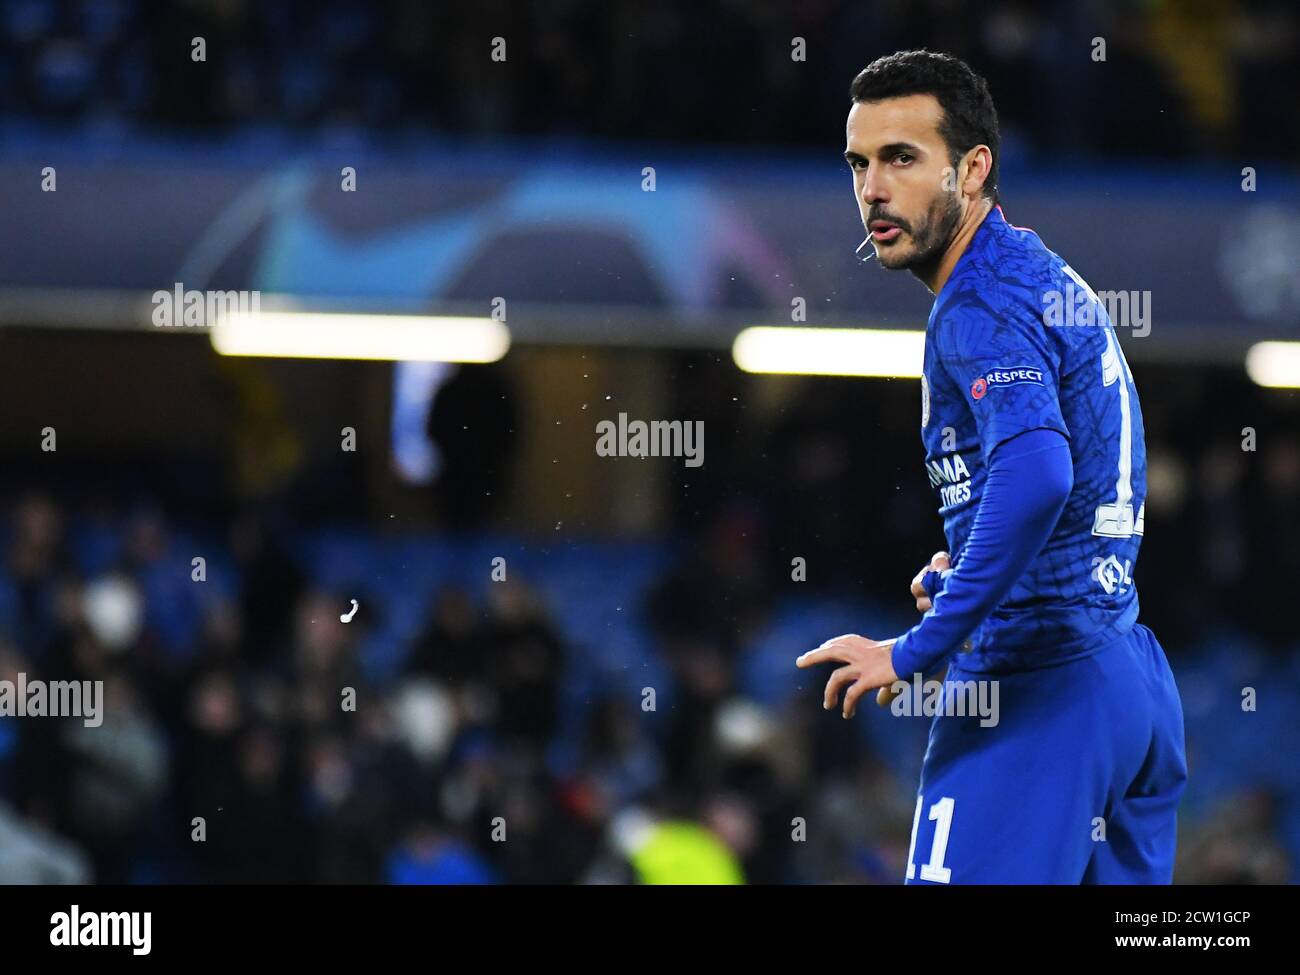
{"type": "Point", "coordinates": [523, 700]}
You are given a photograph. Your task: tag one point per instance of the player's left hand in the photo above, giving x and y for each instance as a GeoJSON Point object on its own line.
{"type": "Point", "coordinates": [867, 665]}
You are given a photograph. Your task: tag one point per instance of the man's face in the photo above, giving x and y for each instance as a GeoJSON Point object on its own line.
{"type": "Point", "coordinates": [903, 179]}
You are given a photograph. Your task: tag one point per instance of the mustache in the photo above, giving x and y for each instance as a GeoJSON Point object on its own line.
{"type": "Point", "coordinates": [899, 222]}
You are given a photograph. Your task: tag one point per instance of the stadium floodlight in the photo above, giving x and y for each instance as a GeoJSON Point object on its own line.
{"type": "Point", "coordinates": [830, 351]}
{"type": "Point", "coordinates": [1275, 364]}
{"type": "Point", "coordinates": [333, 335]}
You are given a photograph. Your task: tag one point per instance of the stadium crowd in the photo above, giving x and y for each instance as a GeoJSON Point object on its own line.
{"type": "Point", "coordinates": [1173, 80]}
{"type": "Point", "coordinates": [473, 759]}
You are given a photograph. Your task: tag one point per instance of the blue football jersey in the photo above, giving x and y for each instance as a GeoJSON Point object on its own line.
{"type": "Point", "coordinates": [1001, 360]}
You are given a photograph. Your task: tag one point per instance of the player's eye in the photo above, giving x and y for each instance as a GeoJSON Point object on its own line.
{"type": "Point", "coordinates": [903, 158]}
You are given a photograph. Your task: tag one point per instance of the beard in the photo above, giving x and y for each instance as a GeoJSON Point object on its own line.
{"type": "Point", "coordinates": [930, 237]}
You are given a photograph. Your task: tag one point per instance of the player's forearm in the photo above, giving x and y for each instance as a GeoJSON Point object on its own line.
{"type": "Point", "coordinates": [1028, 482]}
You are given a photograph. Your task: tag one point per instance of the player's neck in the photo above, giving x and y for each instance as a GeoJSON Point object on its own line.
{"type": "Point", "coordinates": [936, 275]}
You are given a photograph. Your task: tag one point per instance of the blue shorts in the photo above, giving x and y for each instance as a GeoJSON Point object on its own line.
{"type": "Point", "coordinates": [1077, 782]}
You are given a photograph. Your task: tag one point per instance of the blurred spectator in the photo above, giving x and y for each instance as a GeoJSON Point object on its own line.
{"type": "Point", "coordinates": [473, 421]}
{"type": "Point", "coordinates": [430, 857]}
{"type": "Point", "coordinates": [1233, 845]}
{"type": "Point", "coordinates": [30, 855]}
{"type": "Point", "coordinates": [525, 659]}
{"type": "Point", "coordinates": [115, 776]}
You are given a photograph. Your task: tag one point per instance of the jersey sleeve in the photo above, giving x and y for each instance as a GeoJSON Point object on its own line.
{"type": "Point", "coordinates": [999, 353]}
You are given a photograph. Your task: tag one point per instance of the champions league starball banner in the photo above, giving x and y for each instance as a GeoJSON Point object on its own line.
{"type": "Point", "coordinates": [698, 245]}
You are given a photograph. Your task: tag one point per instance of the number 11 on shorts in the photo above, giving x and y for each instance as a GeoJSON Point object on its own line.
{"type": "Point", "coordinates": [941, 814]}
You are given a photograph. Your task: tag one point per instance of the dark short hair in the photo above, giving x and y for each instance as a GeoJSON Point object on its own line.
{"type": "Point", "coordinates": [969, 117]}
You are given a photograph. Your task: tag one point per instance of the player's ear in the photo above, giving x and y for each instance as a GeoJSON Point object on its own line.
{"type": "Point", "coordinates": [977, 163]}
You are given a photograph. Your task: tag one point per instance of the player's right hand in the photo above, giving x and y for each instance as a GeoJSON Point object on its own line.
{"type": "Point", "coordinates": [938, 563]}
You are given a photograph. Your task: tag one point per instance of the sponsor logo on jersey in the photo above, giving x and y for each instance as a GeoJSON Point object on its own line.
{"type": "Point", "coordinates": [952, 477]}
{"type": "Point", "coordinates": [1112, 575]}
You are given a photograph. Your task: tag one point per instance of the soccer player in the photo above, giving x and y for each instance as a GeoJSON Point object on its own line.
{"type": "Point", "coordinates": [1034, 444]}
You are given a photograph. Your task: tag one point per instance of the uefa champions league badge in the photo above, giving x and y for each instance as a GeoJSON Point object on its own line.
{"type": "Point", "coordinates": [925, 401]}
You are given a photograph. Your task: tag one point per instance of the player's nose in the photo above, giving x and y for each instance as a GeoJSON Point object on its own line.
{"type": "Point", "coordinates": [873, 188]}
